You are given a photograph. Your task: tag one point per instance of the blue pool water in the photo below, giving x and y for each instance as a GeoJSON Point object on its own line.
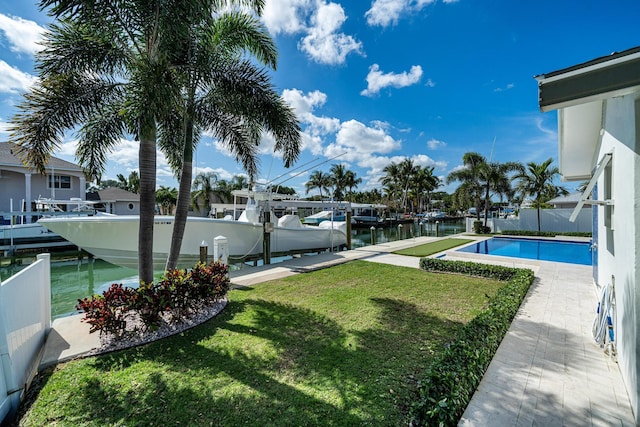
{"type": "Point", "coordinates": [544, 250]}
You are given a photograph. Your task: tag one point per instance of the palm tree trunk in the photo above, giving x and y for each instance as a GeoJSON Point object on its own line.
{"type": "Point", "coordinates": [147, 158]}
{"type": "Point", "coordinates": [538, 202]}
{"type": "Point", "coordinates": [184, 191]}
{"type": "Point", "coordinates": [486, 206]}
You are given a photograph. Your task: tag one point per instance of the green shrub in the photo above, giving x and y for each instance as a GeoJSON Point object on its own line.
{"type": "Point", "coordinates": [547, 233]}
{"type": "Point", "coordinates": [478, 228]}
{"type": "Point", "coordinates": [454, 376]}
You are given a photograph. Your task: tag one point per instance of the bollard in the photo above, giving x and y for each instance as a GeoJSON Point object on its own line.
{"type": "Point", "coordinates": [221, 250]}
{"type": "Point", "coordinates": [399, 231]}
{"type": "Point", "coordinates": [204, 247]}
{"type": "Point", "coordinates": [437, 229]}
{"type": "Point", "coordinates": [373, 235]}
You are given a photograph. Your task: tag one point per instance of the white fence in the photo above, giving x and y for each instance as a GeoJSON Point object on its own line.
{"type": "Point", "coordinates": [550, 220]}
{"type": "Point", "coordinates": [25, 320]}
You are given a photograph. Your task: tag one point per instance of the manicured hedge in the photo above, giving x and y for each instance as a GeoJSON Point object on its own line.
{"type": "Point", "coordinates": [546, 233]}
{"type": "Point", "coordinates": [454, 376]}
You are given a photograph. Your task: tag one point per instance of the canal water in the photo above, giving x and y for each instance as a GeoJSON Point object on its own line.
{"type": "Point", "coordinates": [74, 279]}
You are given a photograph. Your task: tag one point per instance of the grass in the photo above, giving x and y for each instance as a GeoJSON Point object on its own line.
{"type": "Point", "coordinates": [343, 346]}
{"type": "Point", "coordinates": [433, 247]}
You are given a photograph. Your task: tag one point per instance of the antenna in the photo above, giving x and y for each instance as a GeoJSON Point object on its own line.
{"type": "Point", "coordinates": [492, 145]}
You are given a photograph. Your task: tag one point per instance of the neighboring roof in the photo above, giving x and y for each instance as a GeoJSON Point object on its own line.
{"type": "Point", "coordinates": [569, 198]}
{"type": "Point", "coordinates": [7, 158]}
{"type": "Point", "coordinates": [113, 194]}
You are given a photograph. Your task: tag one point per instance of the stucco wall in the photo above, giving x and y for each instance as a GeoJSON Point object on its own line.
{"type": "Point", "coordinates": [618, 244]}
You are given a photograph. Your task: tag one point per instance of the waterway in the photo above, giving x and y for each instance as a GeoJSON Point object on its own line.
{"type": "Point", "coordinates": [79, 277]}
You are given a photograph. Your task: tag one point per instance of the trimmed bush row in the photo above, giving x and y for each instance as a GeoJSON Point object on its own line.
{"type": "Point", "coordinates": [547, 233]}
{"type": "Point", "coordinates": [178, 294]}
{"type": "Point", "coordinates": [454, 376]}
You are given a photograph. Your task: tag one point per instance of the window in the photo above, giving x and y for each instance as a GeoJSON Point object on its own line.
{"type": "Point", "coordinates": [59, 181]}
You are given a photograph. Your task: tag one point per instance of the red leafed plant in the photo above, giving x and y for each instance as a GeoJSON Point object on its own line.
{"type": "Point", "coordinates": [106, 312]}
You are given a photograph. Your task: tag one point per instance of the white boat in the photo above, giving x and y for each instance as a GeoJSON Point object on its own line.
{"type": "Point", "coordinates": [322, 216]}
{"type": "Point", "coordinates": [115, 238]}
{"type": "Point", "coordinates": [19, 229]}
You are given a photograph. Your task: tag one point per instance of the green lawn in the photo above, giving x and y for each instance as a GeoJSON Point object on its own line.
{"type": "Point", "coordinates": [433, 247]}
{"type": "Point", "coordinates": [344, 346]}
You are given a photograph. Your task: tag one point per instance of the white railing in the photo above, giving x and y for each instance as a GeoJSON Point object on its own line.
{"type": "Point", "coordinates": [25, 320]}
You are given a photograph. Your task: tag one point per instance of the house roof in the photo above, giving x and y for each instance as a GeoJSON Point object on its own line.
{"type": "Point", "coordinates": [569, 198]}
{"type": "Point", "coordinates": [578, 93]}
{"type": "Point", "coordinates": [113, 194]}
{"type": "Point", "coordinates": [8, 158]}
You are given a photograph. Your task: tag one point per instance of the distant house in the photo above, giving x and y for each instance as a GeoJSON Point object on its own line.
{"type": "Point", "coordinates": [567, 202]}
{"type": "Point", "coordinates": [598, 104]}
{"type": "Point", "coordinates": [20, 187]}
{"type": "Point", "coordinates": [116, 201]}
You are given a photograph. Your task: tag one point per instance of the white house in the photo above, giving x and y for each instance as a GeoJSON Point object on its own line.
{"type": "Point", "coordinates": [63, 180]}
{"type": "Point", "coordinates": [598, 104]}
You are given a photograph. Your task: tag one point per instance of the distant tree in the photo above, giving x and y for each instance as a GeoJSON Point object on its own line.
{"type": "Point", "coordinates": [537, 181]}
{"type": "Point", "coordinates": [166, 199]}
{"type": "Point", "coordinates": [131, 184]}
{"type": "Point", "coordinates": [339, 179]}
{"type": "Point", "coordinates": [203, 187]}
{"type": "Point", "coordinates": [495, 180]}
{"type": "Point", "coordinates": [318, 180]}
{"type": "Point", "coordinates": [351, 181]}
{"type": "Point", "coordinates": [239, 182]}
{"type": "Point", "coordinates": [469, 176]}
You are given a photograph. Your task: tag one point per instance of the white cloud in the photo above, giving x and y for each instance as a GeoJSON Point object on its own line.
{"type": "Point", "coordinates": [220, 172]}
{"type": "Point", "coordinates": [357, 143]}
{"type": "Point", "coordinates": [4, 128]}
{"type": "Point", "coordinates": [503, 89]}
{"type": "Point", "coordinates": [430, 83]}
{"type": "Point", "coordinates": [23, 35]}
{"type": "Point", "coordinates": [12, 80]}
{"type": "Point", "coordinates": [320, 24]}
{"type": "Point", "coordinates": [387, 12]}
{"type": "Point", "coordinates": [286, 16]}
{"type": "Point", "coordinates": [434, 144]}
{"type": "Point", "coordinates": [376, 80]}
{"type": "Point", "coordinates": [304, 104]}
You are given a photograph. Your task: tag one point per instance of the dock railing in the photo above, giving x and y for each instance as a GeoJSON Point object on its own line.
{"type": "Point", "coordinates": [25, 320]}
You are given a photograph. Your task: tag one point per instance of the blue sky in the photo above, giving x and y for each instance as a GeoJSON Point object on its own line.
{"type": "Point", "coordinates": [374, 82]}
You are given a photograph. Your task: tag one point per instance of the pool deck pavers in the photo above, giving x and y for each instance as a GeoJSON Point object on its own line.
{"type": "Point", "coordinates": [546, 372]}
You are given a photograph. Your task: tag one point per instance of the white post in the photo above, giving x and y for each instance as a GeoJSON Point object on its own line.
{"type": "Point", "coordinates": [221, 249]}
{"type": "Point", "coordinates": [46, 291]}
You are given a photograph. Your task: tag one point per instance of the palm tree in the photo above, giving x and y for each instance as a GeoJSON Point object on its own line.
{"type": "Point", "coordinates": [222, 191]}
{"type": "Point", "coordinates": [166, 198]}
{"type": "Point", "coordinates": [238, 182]}
{"type": "Point", "coordinates": [351, 181]}
{"type": "Point", "coordinates": [470, 178]}
{"type": "Point", "coordinates": [391, 182]}
{"type": "Point", "coordinates": [535, 180]}
{"type": "Point", "coordinates": [423, 183]}
{"type": "Point", "coordinates": [111, 71]}
{"type": "Point", "coordinates": [495, 180]}
{"type": "Point", "coordinates": [132, 183]}
{"type": "Point", "coordinates": [203, 186]}
{"type": "Point", "coordinates": [319, 180]}
{"type": "Point", "coordinates": [338, 180]}
{"type": "Point", "coordinates": [225, 93]}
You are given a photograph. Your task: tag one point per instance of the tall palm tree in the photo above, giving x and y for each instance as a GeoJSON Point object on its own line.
{"type": "Point", "coordinates": [225, 93]}
{"type": "Point", "coordinates": [338, 180]}
{"type": "Point", "coordinates": [495, 180]}
{"type": "Point", "coordinates": [351, 181]}
{"type": "Point", "coordinates": [470, 178]}
{"type": "Point", "coordinates": [535, 180]}
{"type": "Point", "coordinates": [203, 187]}
{"type": "Point", "coordinates": [406, 170]}
{"type": "Point", "coordinates": [111, 71]}
{"type": "Point", "coordinates": [423, 183]}
{"type": "Point", "coordinates": [319, 180]}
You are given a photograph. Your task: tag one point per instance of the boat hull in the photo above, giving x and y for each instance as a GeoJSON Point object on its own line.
{"type": "Point", "coordinates": [115, 239]}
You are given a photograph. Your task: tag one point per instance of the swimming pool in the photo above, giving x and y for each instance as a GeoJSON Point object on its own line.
{"type": "Point", "coordinates": [544, 250]}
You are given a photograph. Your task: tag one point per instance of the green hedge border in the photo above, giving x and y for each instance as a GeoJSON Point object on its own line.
{"type": "Point", "coordinates": [454, 376]}
{"type": "Point", "coordinates": [546, 233]}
